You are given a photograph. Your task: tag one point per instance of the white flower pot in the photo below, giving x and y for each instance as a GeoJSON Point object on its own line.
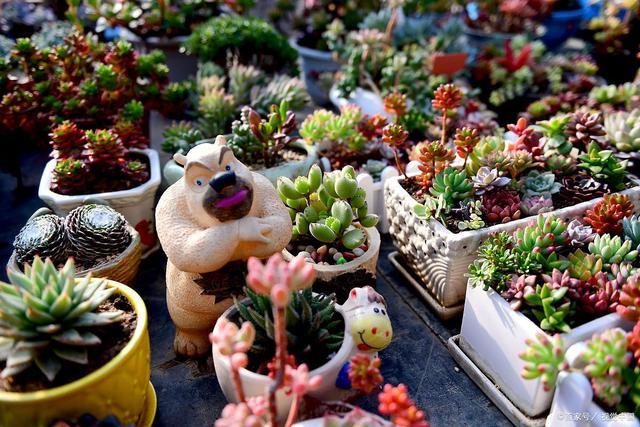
{"type": "Point", "coordinates": [313, 63]}
{"type": "Point", "coordinates": [136, 204]}
{"type": "Point", "coordinates": [369, 102]}
{"type": "Point", "coordinates": [493, 335]}
{"type": "Point", "coordinates": [439, 257]}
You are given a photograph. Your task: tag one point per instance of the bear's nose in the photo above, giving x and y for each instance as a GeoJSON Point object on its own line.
{"type": "Point", "coordinates": [223, 180]}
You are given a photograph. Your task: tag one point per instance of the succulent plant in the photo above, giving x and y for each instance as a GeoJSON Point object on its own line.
{"type": "Point", "coordinates": [577, 188]}
{"type": "Point", "coordinates": [433, 207]}
{"type": "Point", "coordinates": [487, 179]}
{"type": "Point", "coordinates": [550, 307]}
{"type": "Point", "coordinates": [612, 250]}
{"type": "Point", "coordinates": [325, 127]}
{"type": "Point", "coordinates": [501, 206]}
{"type": "Point", "coordinates": [558, 279]}
{"type": "Point", "coordinates": [49, 317]}
{"type": "Point", "coordinates": [468, 215]}
{"type": "Point", "coordinates": [465, 141]}
{"type": "Point", "coordinates": [584, 129]}
{"type": "Point", "coordinates": [607, 214]}
{"type": "Point", "coordinates": [434, 158]}
{"type": "Point", "coordinates": [280, 88]}
{"type": "Point", "coordinates": [314, 327]}
{"type": "Point", "coordinates": [484, 147]}
{"type": "Point", "coordinates": [67, 141]}
{"type": "Point", "coordinates": [215, 110]}
{"type": "Point", "coordinates": [633, 342]}
{"type": "Point", "coordinates": [629, 301]}
{"type": "Point", "coordinates": [447, 97]}
{"type": "Point", "coordinates": [623, 129]}
{"type": "Point", "coordinates": [274, 132]}
{"type": "Point", "coordinates": [452, 184]}
{"type": "Point", "coordinates": [545, 357]}
{"type": "Point", "coordinates": [579, 235]}
{"type": "Point", "coordinates": [606, 357]}
{"type": "Point", "coordinates": [328, 207]}
{"type": "Point", "coordinates": [70, 177]}
{"type": "Point", "coordinates": [584, 266]}
{"type": "Point", "coordinates": [599, 295]}
{"type": "Point", "coordinates": [603, 165]}
{"type": "Point", "coordinates": [553, 131]}
{"type": "Point", "coordinates": [631, 230]}
{"type": "Point", "coordinates": [544, 237]}
{"type": "Point", "coordinates": [527, 138]}
{"type": "Point", "coordinates": [534, 205]}
{"type": "Point", "coordinates": [540, 184]}
{"type": "Point", "coordinates": [517, 288]}
{"type": "Point", "coordinates": [42, 236]}
{"type": "Point", "coordinates": [561, 164]}
{"type": "Point", "coordinates": [96, 231]}
{"type": "Point", "coordinates": [494, 266]}
{"type": "Point", "coordinates": [243, 78]}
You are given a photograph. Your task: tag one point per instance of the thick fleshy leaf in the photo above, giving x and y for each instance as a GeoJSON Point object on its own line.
{"type": "Point", "coordinates": [322, 233]}
{"type": "Point", "coordinates": [13, 303]}
{"type": "Point", "coordinates": [49, 364]}
{"type": "Point", "coordinates": [34, 301]}
{"type": "Point", "coordinates": [10, 371]}
{"type": "Point", "coordinates": [80, 288]}
{"type": "Point", "coordinates": [17, 334]}
{"type": "Point", "coordinates": [9, 289]}
{"type": "Point", "coordinates": [61, 306]}
{"type": "Point", "coordinates": [52, 328]}
{"type": "Point", "coordinates": [49, 295]}
{"type": "Point", "coordinates": [32, 345]}
{"type": "Point", "coordinates": [77, 355]}
{"type": "Point", "coordinates": [20, 280]}
{"type": "Point", "coordinates": [6, 345]}
{"type": "Point", "coordinates": [354, 238]}
{"type": "Point", "coordinates": [19, 356]}
{"type": "Point", "coordinates": [97, 319]}
{"type": "Point", "coordinates": [78, 310]}
{"type": "Point", "coordinates": [39, 317]}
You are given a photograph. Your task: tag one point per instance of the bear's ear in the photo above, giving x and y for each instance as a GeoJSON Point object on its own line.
{"type": "Point", "coordinates": [180, 159]}
{"type": "Point", "coordinates": [221, 140]}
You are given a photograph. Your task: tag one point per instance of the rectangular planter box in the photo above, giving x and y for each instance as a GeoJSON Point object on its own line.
{"type": "Point", "coordinates": [439, 257]}
{"type": "Point", "coordinates": [493, 335]}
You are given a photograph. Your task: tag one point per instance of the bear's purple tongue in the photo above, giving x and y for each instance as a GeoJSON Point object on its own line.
{"type": "Point", "coordinates": [233, 200]}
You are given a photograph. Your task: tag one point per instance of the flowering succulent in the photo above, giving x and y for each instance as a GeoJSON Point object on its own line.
{"type": "Point", "coordinates": [434, 158]}
{"type": "Point", "coordinates": [364, 372]}
{"type": "Point", "coordinates": [534, 205]}
{"type": "Point", "coordinates": [544, 238]}
{"type": "Point", "coordinates": [517, 288]}
{"type": "Point", "coordinates": [584, 129]}
{"type": "Point", "coordinates": [447, 98]}
{"type": "Point", "coordinates": [606, 357]}
{"type": "Point", "coordinates": [452, 184]}
{"type": "Point", "coordinates": [603, 165]}
{"type": "Point", "coordinates": [540, 184]}
{"type": "Point", "coordinates": [395, 403]}
{"type": "Point", "coordinates": [50, 319]}
{"type": "Point", "coordinates": [501, 206]}
{"type": "Point", "coordinates": [629, 301]}
{"type": "Point", "coordinates": [465, 140]}
{"type": "Point", "coordinates": [579, 234]}
{"type": "Point", "coordinates": [623, 129]}
{"type": "Point", "coordinates": [488, 179]}
{"type": "Point", "coordinates": [584, 266]}
{"type": "Point", "coordinates": [545, 358]}
{"type": "Point", "coordinates": [631, 230]}
{"type": "Point", "coordinates": [612, 250]}
{"type": "Point", "coordinates": [606, 215]}
{"type": "Point", "coordinates": [396, 103]}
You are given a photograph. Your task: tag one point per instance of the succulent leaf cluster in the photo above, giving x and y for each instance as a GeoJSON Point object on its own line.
{"type": "Point", "coordinates": [50, 318]}
{"type": "Point", "coordinates": [606, 216]}
{"type": "Point", "coordinates": [544, 359]}
{"type": "Point", "coordinates": [501, 206]}
{"type": "Point", "coordinates": [612, 250]}
{"type": "Point", "coordinates": [453, 185]}
{"type": "Point", "coordinates": [487, 179]}
{"type": "Point", "coordinates": [544, 238]}
{"type": "Point", "coordinates": [540, 184]}
{"type": "Point", "coordinates": [623, 129]}
{"type": "Point", "coordinates": [602, 164]}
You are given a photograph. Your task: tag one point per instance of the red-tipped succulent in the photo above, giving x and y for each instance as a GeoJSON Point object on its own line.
{"type": "Point", "coordinates": [501, 206]}
{"type": "Point", "coordinates": [606, 216]}
{"type": "Point", "coordinates": [528, 139]}
{"type": "Point", "coordinates": [600, 295]}
{"type": "Point", "coordinates": [396, 103]}
{"type": "Point", "coordinates": [397, 405]}
{"type": "Point", "coordinates": [629, 301]}
{"type": "Point", "coordinates": [447, 97]}
{"type": "Point", "coordinates": [434, 158]}
{"type": "Point", "coordinates": [364, 372]}
{"type": "Point", "coordinates": [633, 343]}
{"type": "Point", "coordinates": [67, 141]}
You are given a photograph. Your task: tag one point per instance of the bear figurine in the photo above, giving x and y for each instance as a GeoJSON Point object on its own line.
{"type": "Point", "coordinates": [209, 223]}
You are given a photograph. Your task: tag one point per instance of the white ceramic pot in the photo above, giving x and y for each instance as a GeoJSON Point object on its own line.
{"type": "Point", "coordinates": [369, 102]}
{"type": "Point", "coordinates": [441, 258]}
{"type": "Point", "coordinates": [493, 335]}
{"type": "Point", "coordinates": [136, 204]}
{"type": "Point", "coordinates": [313, 63]}
{"type": "Point", "coordinates": [172, 171]}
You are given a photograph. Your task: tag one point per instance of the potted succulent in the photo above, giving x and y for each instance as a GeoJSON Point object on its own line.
{"type": "Point", "coordinates": [332, 229]}
{"type": "Point", "coordinates": [100, 240]}
{"type": "Point", "coordinates": [100, 164]}
{"type": "Point", "coordinates": [536, 178]}
{"type": "Point", "coordinates": [563, 21]}
{"type": "Point", "coordinates": [65, 341]}
{"type": "Point", "coordinates": [596, 378]}
{"type": "Point", "coordinates": [273, 362]}
{"type": "Point", "coordinates": [624, 132]}
{"type": "Point", "coordinates": [551, 276]}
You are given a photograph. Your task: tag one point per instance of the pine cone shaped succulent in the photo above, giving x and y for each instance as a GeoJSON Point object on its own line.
{"type": "Point", "coordinates": [584, 128]}
{"type": "Point", "coordinates": [50, 317]}
{"type": "Point", "coordinates": [447, 97]}
{"type": "Point", "coordinates": [103, 148]}
{"type": "Point", "coordinates": [70, 177]}
{"type": "Point", "coordinates": [518, 288]}
{"type": "Point", "coordinates": [394, 135]}
{"type": "Point", "coordinates": [623, 129]}
{"type": "Point", "coordinates": [501, 206]}
{"type": "Point", "coordinates": [42, 236]}
{"type": "Point", "coordinates": [607, 214]}
{"type": "Point", "coordinates": [396, 103]}
{"type": "Point", "coordinates": [96, 231]}
{"type": "Point", "coordinates": [67, 141]}
{"type": "Point", "coordinates": [580, 187]}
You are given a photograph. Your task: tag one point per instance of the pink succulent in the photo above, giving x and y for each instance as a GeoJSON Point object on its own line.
{"type": "Point", "coordinates": [278, 279]}
{"type": "Point", "coordinates": [232, 341]}
{"type": "Point", "coordinates": [238, 415]}
{"type": "Point", "coordinates": [299, 381]}
{"type": "Point", "coordinates": [258, 405]}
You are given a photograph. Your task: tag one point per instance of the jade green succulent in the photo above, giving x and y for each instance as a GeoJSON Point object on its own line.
{"type": "Point", "coordinates": [553, 131]}
{"type": "Point", "coordinates": [623, 129]}
{"type": "Point", "coordinates": [631, 230]}
{"type": "Point", "coordinates": [612, 250]}
{"type": "Point", "coordinates": [550, 307]}
{"type": "Point", "coordinates": [47, 318]}
{"type": "Point", "coordinates": [543, 238]}
{"type": "Point", "coordinates": [336, 130]}
{"type": "Point", "coordinates": [328, 208]}
{"type": "Point", "coordinates": [540, 184]}
{"type": "Point", "coordinates": [584, 266]}
{"type": "Point", "coordinates": [433, 207]}
{"type": "Point", "coordinates": [453, 184]}
{"type": "Point", "coordinates": [181, 137]}
{"type": "Point", "coordinates": [602, 164]}
{"type": "Point", "coordinates": [545, 359]}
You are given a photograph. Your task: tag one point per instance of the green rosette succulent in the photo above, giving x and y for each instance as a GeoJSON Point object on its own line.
{"type": "Point", "coordinates": [46, 318]}
{"type": "Point", "coordinates": [328, 208]}
{"type": "Point", "coordinates": [543, 238]}
{"type": "Point", "coordinates": [612, 250]}
{"type": "Point", "coordinates": [623, 129]}
{"type": "Point", "coordinates": [553, 131]}
{"type": "Point", "coordinates": [540, 184]}
{"type": "Point", "coordinates": [631, 230]}
{"type": "Point", "coordinates": [453, 185]}
{"type": "Point", "coordinates": [545, 359]}
{"type": "Point", "coordinates": [550, 307]}
{"type": "Point", "coordinates": [584, 266]}
{"type": "Point", "coordinates": [602, 164]}
{"type": "Point", "coordinates": [433, 207]}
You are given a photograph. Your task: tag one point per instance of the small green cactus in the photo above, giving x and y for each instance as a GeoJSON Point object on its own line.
{"type": "Point", "coordinates": [545, 359]}
{"type": "Point", "coordinates": [328, 207]}
{"type": "Point", "coordinates": [48, 316]}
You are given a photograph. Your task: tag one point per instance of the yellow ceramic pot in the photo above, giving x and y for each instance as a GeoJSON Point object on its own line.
{"type": "Point", "coordinates": [121, 387]}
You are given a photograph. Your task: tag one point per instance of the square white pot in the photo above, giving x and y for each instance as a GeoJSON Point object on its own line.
{"type": "Point", "coordinates": [136, 204]}
{"type": "Point", "coordinates": [439, 257]}
{"type": "Point", "coordinates": [493, 335]}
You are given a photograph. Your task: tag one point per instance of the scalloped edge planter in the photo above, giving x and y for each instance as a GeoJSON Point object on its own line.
{"type": "Point", "coordinates": [314, 62]}
{"type": "Point", "coordinates": [439, 257]}
{"type": "Point", "coordinates": [172, 171]}
{"type": "Point", "coordinates": [493, 335]}
{"type": "Point", "coordinates": [121, 387]}
{"type": "Point", "coordinates": [136, 204]}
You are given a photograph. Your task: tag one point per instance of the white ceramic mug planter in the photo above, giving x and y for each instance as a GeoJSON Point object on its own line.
{"type": "Point", "coordinates": [313, 63]}
{"type": "Point", "coordinates": [369, 102]}
{"type": "Point", "coordinates": [439, 257]}
{"type": "Point", "coordinates": [493, 335]}
{"type": "Point", "coordinates": [136, 204]}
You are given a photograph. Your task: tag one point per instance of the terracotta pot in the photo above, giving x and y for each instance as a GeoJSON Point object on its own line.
{"type": "Point", "coordinates": [448, 63]}
{"type": "Point", "coordinates": [120, 388]}
{"type": "Point", "coordinates": [340, 279]}
{"type": "Point", "coordinates": [136, 204]}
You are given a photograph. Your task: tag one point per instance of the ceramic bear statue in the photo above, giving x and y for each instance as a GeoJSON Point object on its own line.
{"type": "Point", "coordinates": [209, 223]}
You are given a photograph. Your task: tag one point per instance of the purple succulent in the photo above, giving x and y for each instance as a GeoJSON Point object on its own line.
{"type": "Point", "coordinates": [518, 288]}
{"type": "Point", "coordinates": [534, 205]}
{"type": "Point", "coordinates": [580, 234]}
{"type": "Point", "coordinates": [487, 179]}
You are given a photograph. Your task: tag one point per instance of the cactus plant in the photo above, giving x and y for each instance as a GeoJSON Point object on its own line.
{"type": "Point", "coordinates": [603, 165]}
{"type": "Point", "coordinates": [606, 215]}
{"type": "Point", "coordinates": [328, 208]}
{"type": "Point", "coordinates": [623, 129]}
{"type": "Point", "coordinates": [545, 359]}
{"type": "Point", "coordinates": [42, 236]}
{"type": "Point", "coordinates": [49, 317]}
{"type": "Point", "coordinates": [487, 179]}
{"type": "Point", "coordinates": [544, 238]}
{"type": "Point", "coordinates": [612, 250]}
{"type": "Point", "coordinates": [540, 184]}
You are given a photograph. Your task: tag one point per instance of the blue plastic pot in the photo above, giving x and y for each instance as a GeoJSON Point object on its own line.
{"type": "Point", "coordinates": [564, 24]}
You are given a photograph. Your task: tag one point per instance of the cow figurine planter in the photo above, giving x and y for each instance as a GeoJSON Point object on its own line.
{"type": "Point", "coordinates": [209, 223]}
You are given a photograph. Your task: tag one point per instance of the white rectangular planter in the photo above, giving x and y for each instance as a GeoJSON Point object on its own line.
{"type": "Point", "coordinates": [439, 257]}
{"type": "Point", "coordinates": [493, 335]}
{"type": "Point", "coordinates": [136, 204]}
